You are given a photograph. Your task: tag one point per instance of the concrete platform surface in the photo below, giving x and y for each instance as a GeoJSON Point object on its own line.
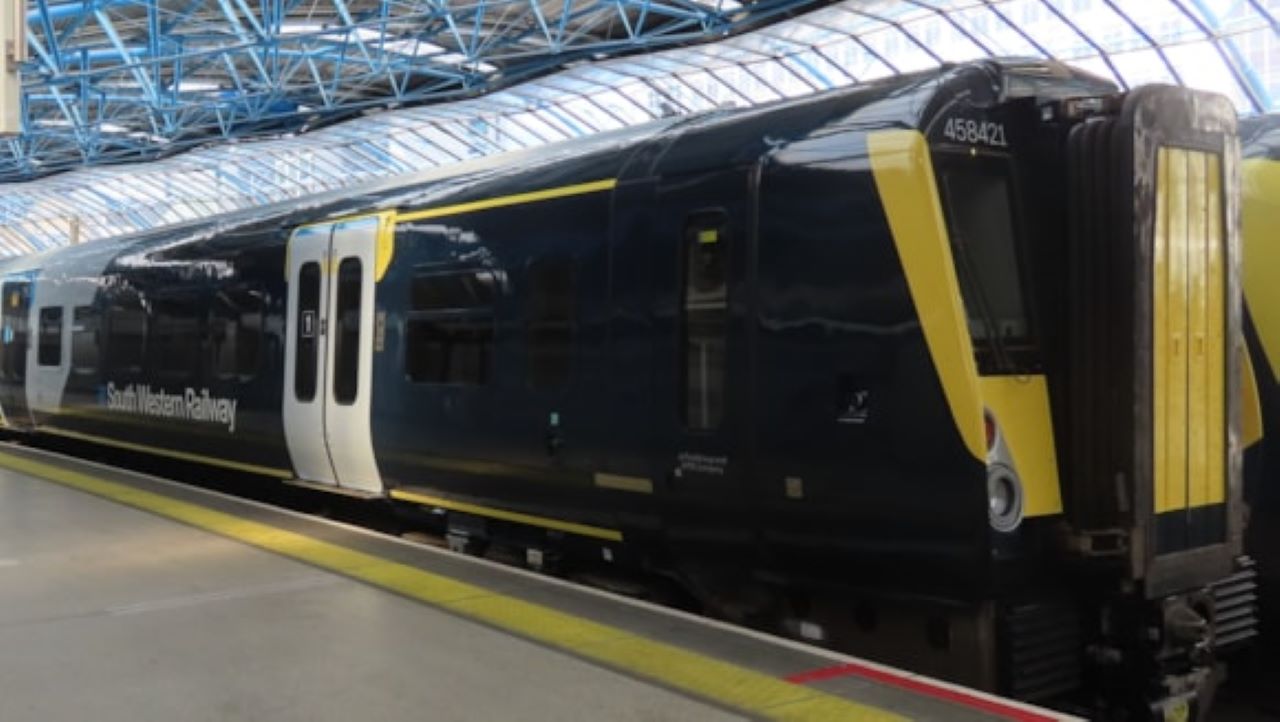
{"type": "Point", "coordinates": [146, 600]}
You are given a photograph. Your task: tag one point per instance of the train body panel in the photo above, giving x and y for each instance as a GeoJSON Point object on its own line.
{"type": "Point", "coordinates": [488, 385]}
{"type": "Point", "coordinates": [1261, 219]}
{"type": "Point", "coordinates": [1261, 223]}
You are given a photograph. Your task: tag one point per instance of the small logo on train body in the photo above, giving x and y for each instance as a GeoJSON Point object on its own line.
{"type": "Point", "coordinates": [856, 407]}
{"type": "Point", "coordinates": [189, 405]}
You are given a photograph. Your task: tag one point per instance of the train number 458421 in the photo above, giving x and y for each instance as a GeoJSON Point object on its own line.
{"type": "Point", "coordinates": [980, 132]}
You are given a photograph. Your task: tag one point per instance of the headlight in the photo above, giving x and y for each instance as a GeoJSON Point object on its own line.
{"type": "Point", "coordinates": [1004, 498]}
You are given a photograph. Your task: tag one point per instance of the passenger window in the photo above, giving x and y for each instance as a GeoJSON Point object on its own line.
{"type": "Point", "coordinates": [126, 333]}
{"type": "Point", "coordinates": [49, 352]}
{"type": "Point", "coordinates": [84, 341]}
{"type": "Point", "coordinates": [307, 330]}
{"type": "Point", "coordinates": [235, 333]}
{"type": "Point", "coordinates": [551, 308]}
{"type": "Point", "coordinates": [174, 338]}
{"type": "Point", "coordinates": [449, 330]}
{"type": "Point", "coordinates": [346, 353]}
{"type": "Point", "coordinates": [451, 291]}
{"type": "Point", "coordinates": [17, 304]}
{"type": "Point", "coordinates": [705, 307]}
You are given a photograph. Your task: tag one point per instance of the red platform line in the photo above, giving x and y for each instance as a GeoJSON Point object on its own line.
{"type": "Point", "coordinates": [922, 686]}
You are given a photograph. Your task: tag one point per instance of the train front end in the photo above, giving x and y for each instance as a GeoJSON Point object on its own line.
{"type": "Point", "coordinates": [1094, 239]}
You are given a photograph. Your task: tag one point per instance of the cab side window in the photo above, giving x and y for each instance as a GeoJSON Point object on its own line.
{"type": "Point", "coordinates": [705, 318]}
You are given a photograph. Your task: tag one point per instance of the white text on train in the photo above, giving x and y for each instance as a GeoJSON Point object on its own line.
{"type": "Point", "coordinates": [190, 405]}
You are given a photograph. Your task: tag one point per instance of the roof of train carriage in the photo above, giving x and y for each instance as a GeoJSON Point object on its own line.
{"type": "Point", "coordinates": [1260, 136]}
{"type": "Point", "coordinates": [689, 143]}
{"type": "Point", "coordinates": [109, 88]}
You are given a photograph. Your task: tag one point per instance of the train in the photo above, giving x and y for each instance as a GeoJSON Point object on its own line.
{"type": "Point", "coordinates": [1260, 200]}
{"type": "Point", "coordinates": [945, 369]}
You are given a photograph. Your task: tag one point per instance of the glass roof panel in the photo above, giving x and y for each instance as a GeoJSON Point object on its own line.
{"type": "Point", "coordinates": [905, 52]}
{"type": "Point", "coordinates": [709, 85]}
{"type": "Point", "coordinates": [518, 133]}
{"type": "Point", "coordinates": [984, 23]}
{"type": "Point", "coordinates": [545, 128]}
{"type": "Point", "coordinates": [1201, 66]}
{"type": "Point", "coordinates": [1099, 67]}
{"type": "Point", "coordinates": [895, 11]}
{"type": "Point", "coordinates": [1043, 23]}
{"type": "Point", "coordinates": [649, 97]}
{"type": "Point", "coordinates": [1258, 53]}
{"type": "Point", "coordinates": [1108, 28]}
{"type": "Point", "coordinates": [565, 127]}
{"type": "Point", "coordinates": [746, 84]}
{"type": "Point", "coordinates": [718, 55]}
{"type": "Point", "coordinates": [1164, 21]}
{"type": "Point", "coordinates": [947, 38]}
{"type": "Point", "coordinates": [622, 106]}
{"type": "Point", "coordinates": [591, 115]}
{"type": "Point", "coordinates": [805, 30]}
{"type": "Point", "coordinates": [848, 18]}
{"type": "Point", "coordinates": [1143, 66]}
{"type": "Point", "coordinates": [815, 69]}
{"type": "Point", "coordinates": [600, 75]}
{"type": "Point", "coordinates": [1232, 16]}
{"type": "Point", "coordinates": [780, 76]}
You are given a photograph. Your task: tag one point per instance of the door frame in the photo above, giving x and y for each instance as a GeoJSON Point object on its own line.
{"type": "Point", "coordinates": [330, 441]}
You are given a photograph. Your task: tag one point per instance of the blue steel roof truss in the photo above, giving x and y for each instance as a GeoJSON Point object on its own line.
{"type": "Point", "coordinates": [128, 79]}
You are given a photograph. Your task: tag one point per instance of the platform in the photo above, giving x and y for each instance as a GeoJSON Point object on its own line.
{"type": "Point", "coordinates": [127, 597]}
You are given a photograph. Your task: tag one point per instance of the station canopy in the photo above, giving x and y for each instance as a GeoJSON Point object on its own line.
{"type": "Point", "coordinates": [238, 99]}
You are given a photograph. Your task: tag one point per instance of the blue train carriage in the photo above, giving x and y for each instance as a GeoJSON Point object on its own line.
{"type": "Point", "coordinates": [943, 369]}
{"type": "Point", "coordinates": [165, 344]}
{"type": "Point", "coordinates": [1260, 137]}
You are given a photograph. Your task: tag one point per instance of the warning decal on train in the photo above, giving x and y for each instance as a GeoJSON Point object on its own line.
{"type": "Point", "coordinates": [190, 405]}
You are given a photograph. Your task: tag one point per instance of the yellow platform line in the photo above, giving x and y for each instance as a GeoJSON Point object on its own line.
{"type": "Point", "coordinates": [701, 676]}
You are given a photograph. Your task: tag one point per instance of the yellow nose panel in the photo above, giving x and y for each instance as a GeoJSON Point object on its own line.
{"type": "Point", "coordinates": [1260, 225]}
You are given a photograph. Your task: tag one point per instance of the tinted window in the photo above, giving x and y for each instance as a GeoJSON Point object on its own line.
{"type": "Point", "coordinates": [84, 340]}
{"type": "Point", "coordinates": [346, 353]}
{"type": "Point", "coordinates": [981, 225]}
{"type": "Point", "coordinates": [235, 333]}
{"type": "Point", "coordinates": [451, 290]}
{"type": "Point", "coordinates": [17, 303]}
{"type": "Point", "coordinates": [448, 351]}
{"type": "Point", "coordinates": [307, 329]}
{"type": "Point", "coordinates": [551, 309]}
{"type": "Point", "coordinates": [126, 333]}
{"type": "Point", "coordinates": [449, 330]}
{"type": "Point", "coordinates": [174, 337]}
{"type": "Point", "coordinates": [705, 326]}
{"type": "Point", "coordinates": [49, 352]}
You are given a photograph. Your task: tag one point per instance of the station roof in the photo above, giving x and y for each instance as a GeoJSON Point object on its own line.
{"type": "Point", "coordinates": [357, 56]}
